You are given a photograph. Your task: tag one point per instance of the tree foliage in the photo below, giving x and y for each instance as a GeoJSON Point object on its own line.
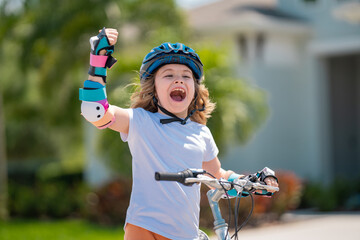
{"type": "Point", "coordinates": [44, 55]}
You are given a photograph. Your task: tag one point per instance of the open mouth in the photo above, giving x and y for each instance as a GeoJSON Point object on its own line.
{"type": "Point", "coordinates": [178, 94]}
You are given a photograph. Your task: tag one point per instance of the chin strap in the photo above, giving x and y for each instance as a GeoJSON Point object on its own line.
{"type": "Point", "coordinates": [174, 117]}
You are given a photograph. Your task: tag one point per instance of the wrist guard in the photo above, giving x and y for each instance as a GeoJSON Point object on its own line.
{"type": "Point", "coordinates": [262, 175]}
{"type": "Point", "coordinates": [99, 63]}
{"type": "Point", "coordinates": [233, 192]}
{"type": "Point", "coordinates": [265, 173]}
{"type": "Point", "coordinates": [94, 106]}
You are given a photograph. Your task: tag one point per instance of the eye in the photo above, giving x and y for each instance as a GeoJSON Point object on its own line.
{"type": "Point", "coordinates": [169, 76]}
{"type": "Point", "coordinates": [187, 76]}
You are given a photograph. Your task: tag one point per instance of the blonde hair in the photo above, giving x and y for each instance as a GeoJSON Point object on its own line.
{"type": "Point", "coordinates": [143, 98]}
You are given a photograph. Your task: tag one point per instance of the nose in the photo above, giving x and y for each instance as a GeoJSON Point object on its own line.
{"type": "Point", "coordinates": [178, 80]}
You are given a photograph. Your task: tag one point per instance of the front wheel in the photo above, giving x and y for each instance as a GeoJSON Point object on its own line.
{"type": "Point", "coordinates": [203, 236]}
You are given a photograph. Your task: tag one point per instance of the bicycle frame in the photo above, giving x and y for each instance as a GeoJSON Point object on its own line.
{"type": "Point", "coordinates": [220, 226]}
{"type": "Point", "coordinates": [214, 196]}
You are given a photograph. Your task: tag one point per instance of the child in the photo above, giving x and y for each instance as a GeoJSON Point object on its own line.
{"type": "Point", "coordinates": [166, 132]}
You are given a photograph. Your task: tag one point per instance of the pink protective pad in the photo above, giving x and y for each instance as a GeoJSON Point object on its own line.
{"type": "Point", "coordinates": [98, 60]}
{"type": "Point", "coordinates": [105, 103]}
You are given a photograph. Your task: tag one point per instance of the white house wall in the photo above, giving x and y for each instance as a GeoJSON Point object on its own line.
{"type": "Point", "coordinates": [290, 138]}
{"type": "Point", "coordinates": [280, 51]}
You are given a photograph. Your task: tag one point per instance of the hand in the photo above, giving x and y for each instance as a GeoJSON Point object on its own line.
{"type": "Point", "coordinates": [112, 34]}
{"type": "Point", "coordinates": [268, 177]}
{"type": "Point", "coordinates": [270, 181]}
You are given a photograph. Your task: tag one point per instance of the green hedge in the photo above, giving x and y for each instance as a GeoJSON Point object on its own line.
{"type": "Point", "coordinates": [47, 199]}
{"type": "Point", "coordinates": [341, 195]}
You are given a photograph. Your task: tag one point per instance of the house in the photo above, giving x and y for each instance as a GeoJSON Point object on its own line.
{"type": "Point", "coordinates": [306, 55]}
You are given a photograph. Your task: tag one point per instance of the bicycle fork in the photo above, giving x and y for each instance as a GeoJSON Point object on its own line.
{"type": "Point", "coordinates": [220, 226]}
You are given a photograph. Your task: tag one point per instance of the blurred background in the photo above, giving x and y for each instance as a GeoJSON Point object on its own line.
{"type": "Point", "coordinates": [285, 76]}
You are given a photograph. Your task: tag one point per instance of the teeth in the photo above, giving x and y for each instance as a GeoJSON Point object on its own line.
{"type": "Point", "coordinates": [179, 89]}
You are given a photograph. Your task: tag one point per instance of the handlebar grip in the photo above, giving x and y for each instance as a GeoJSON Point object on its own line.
{"type": "Point", "coordinates": [163, 176]}
{"type": "Point", "coordinates": [177, 177]}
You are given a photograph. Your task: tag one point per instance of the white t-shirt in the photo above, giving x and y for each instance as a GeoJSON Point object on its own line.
{"type": "Point", "coordinates": [166, 208]}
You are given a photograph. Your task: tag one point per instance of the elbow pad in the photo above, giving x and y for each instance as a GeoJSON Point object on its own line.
{"type": "Point", "coordinates": [94, 106]}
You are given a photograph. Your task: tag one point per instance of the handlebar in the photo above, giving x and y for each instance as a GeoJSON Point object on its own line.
{"type": "Point", "coordinates": [191, 176]}
{"type": "Point", "coordinates": [219, 191]}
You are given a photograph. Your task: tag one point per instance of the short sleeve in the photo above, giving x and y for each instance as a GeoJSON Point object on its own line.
{"type": "Point", "coordinates": [124, 136]}
{"type": "Point", "coordinates": [137, 117]}
{"type": "Point", "coordinates": [211, 150]}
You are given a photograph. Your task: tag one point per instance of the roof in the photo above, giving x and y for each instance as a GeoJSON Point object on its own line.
{"type": "Point", "coordinates": [230, 15]}
{"type": "Point", "coordinates": [268, 11]}
{"type": "Point", "coordinates": [349, 12]}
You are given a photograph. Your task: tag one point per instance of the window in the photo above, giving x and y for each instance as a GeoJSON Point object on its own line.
{"type": "Point", "coordinates": [310, 1]}
{"type": "Point", "coordinates": [243, 45]}
{"type": "Point", "coordinates": [260, 42]}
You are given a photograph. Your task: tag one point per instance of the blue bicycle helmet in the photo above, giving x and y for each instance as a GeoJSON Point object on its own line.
{"type": "Point", "coordinates": [168, 53]}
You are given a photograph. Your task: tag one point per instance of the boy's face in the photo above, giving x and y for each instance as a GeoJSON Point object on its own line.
{"type": "Point", "coordinates": [175, 88]}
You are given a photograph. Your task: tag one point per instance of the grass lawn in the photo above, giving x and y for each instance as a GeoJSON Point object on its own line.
{"type": "Point", "coordinates": [57, 230]}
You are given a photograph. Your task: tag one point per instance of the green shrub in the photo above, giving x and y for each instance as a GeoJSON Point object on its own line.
{"type": "Point", "coordinates": [46, 199]}
{"type": "Point", "coordinates": [333, 197]}
{"type": "Point", "coordinates": [108, 205]}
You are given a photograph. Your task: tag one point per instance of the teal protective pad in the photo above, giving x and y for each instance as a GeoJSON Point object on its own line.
{"type": "Point", "coordinates": [92, 95]}
{"type": "Point", "coordinates": [92, 84]}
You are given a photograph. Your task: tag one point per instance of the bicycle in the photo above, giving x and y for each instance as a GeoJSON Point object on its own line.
{"type": "Point", "coordinates": [218, 190]}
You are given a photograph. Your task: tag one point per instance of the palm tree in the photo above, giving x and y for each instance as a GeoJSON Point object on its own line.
{"type": "Point", "coordinates": [3, 166]}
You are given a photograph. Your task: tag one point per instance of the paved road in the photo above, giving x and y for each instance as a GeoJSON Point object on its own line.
{"type": "Point", "coordinates": [340, 226]}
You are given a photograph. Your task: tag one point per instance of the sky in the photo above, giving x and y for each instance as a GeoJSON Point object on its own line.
{"type": "Point", "coordinates": [188, 4]}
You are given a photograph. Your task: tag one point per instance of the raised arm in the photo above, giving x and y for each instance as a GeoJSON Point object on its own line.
{"type": "Point", "coordinates": [95, 107]}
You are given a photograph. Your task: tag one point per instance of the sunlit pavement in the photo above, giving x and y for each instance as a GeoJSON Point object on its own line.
{"type": "Point", "coordinates": [334, 226]}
